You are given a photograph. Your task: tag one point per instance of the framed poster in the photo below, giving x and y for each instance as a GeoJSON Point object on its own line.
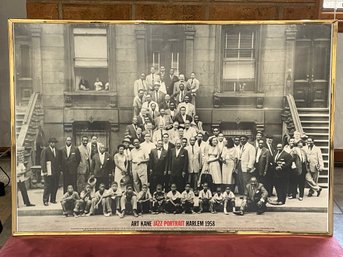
{"type": "Point", "coordinates": [126, 126]}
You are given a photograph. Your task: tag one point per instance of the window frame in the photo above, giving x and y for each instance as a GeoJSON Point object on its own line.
{"type": "Point", "coordinates": [257, 43]}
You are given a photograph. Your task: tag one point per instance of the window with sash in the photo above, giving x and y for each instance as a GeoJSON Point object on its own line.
{"type": "Point", "coordinates": [90, 59]}
{"type": "Point", "coordinates": [239, 58]}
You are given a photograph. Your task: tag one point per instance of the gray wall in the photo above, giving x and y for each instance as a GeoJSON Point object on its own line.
{"type": "Point", "coordinates": [8, 9]}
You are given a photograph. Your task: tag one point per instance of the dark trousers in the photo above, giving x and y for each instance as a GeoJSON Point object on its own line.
{"type": "Point", "coordinates": [293, 183]}
{"type": "Point", "coordinates": [268, 181]}
{"type": "Point", "coordinates": [301, 181]}
{"type": "Point", "coordinates": [193, 180]}
{"type": "Point", "coordinates": [50, 188]}
{"type": "Point", "coordinates": [187, 206]}
{"type": "Point", "coordinates": [144, 207]}
{"type": "Point", "coordinates": [69, 179]}
{"type": "Point", "coordinates": [179, 181]}
{"type": "Point", "coordinates": [154, 181]}
{"type": "Point", "coordinates": [281, 185]}
{"type": "Point", "coordinates": [169, 207]}
{"type": "Point", "coordinates": [251, 206]}
{"type": "Point", "coordinates": [205, 205]}
{"type": "Point", "coordinates": [22, 188]}
{"type": "Point", "coordinates": [158, 206]}
{"type": "Point", "coordinates": [239, 179]}
{"type": "Point", "coordinates": [102, 180]}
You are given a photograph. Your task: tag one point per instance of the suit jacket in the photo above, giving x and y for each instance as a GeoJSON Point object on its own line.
{"type": "Point", "coordinates": [262, 162]}
{"type": "Point", "coordinates": [166, 120]}
{"type": "Point", "coordinates": [177, 86]}
{"type": "Point", "coordinates": [194, 159]}
{"type": "Point", "coordinates": [251, 193]}
{"type": "Point", "coordinates": [193, 85]}
{"type": "Point", "coordinates": [140, 120]}
{"type": "Point", "coordinates": [131, 129]}
{"type": "Point", "coordinates": [151, 79]}
{"type": "Point", "coordinates": [180, 99]}
{"type": "Point", "coordinates": [169, 82]}
{"type": "Point", "coordinates": [171, 115]}
{"type": "Point", "coordinates": [190, 108]}
{"type": "Point", "coordinates": [179, 118]}
{"type": "Point", "coordinates": [158, 165]}
{"type": "Point", "coordinates": [139, 84]}
{"type": "Point", "coordinates": [165, 105]}
{"type": "Point", "coordinates": [315, 158]}
{"type": "Point", "coordinates": [300, 169]}
{"type": "Point", "coordinates": [70, 164]}
{"type": "Point", "coordinates": [286, 160]}
{"type": "Point", "coordinates": [84, 165]}
{"type": "Point", "coordinates": [48, 156]}
{"type": "Point", "coordinates": [160, 97]}
{"type": "Point", "coordinates": [140, 138]}
{"type": "Point", "coordinates": [178, 164]}
{"type": "Point", "coordinates": [137, 105]}
{"type": "Point", "coordinates": [247, 157]}
{"type": "Point", "coordinates": [102, 170]}
{"type": "Point", "coordinates": [157, 135]}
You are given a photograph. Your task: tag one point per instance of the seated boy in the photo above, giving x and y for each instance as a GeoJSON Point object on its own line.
{"type": "Point", "coordinates": [217, 201]}
{"type": "Point", "coordinates": [144, 200]}
{"type": "Point", "coordinates": [187, 198]}
{"type": "Point", "coordinates": [205, 196]}
{"type": "Point", "coordinates": [83, 205]}
{"type": "Point", "coordinates": [173, 203]}
{"type": "Point", "coordinates": [112, 196]}
{"type": "Point", "coordinates": [158, 200]}
{"type": "Point", "coordinates": [99, 202]}
{"type": "Point", "coordinates": [196, 202]}
{"type": "Point", "coordinates": [229, 200]}
{"type": "Point", "coordinates": [128, 202]}
{"type": "Point", "coordinates": [69, 200]}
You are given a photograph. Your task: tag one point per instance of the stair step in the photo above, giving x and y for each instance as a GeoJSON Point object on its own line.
{"type": "Point", "coordinates": [315, 121]}
{"type": "Point", "coordinates": [312, 109]}
{"type": "Point", "coordinates": [314, 115]}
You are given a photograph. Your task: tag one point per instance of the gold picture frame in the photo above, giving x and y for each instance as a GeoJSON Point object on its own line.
{"type": "Point", "coordinates": [27, 47]}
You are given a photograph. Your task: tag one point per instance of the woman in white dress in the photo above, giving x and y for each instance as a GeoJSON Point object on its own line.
{"type": "Point", "coordinates": [121, 163]}
{"type": "Point", "coordinates": [229, 158]}
{"type": "Point", "coordinates": [213, 157]}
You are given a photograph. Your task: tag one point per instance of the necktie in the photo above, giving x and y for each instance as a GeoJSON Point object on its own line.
{"type": "Point", "coordinates": [161, 134]}
{"type": "Point", "coordinates": [156, 96]}
{"type": "Point", "coordinates": [53, 150]}
{"type": "Point", "coordinates": [192, 82]}
{"type": "Point", "coordinates": [152, 76]}
{"type": "Point", "coordinates": [153, 115]}
{"type": "Point", "coordinates": [181, 99]}
{"type": "Point", "coordinates": [192, 149]}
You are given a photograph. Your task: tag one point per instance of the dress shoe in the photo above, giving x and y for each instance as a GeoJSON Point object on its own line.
{"type": "Point", "coordinates": [54, 202]}
{"type": "Point", "coordinates": [46, 204]}
{"type": "Point", "coordinates": [319, 191]}
{"type": "Point", "coordinates": [300, 198]}
{"type": "Point", "coordinates": [30, 204]}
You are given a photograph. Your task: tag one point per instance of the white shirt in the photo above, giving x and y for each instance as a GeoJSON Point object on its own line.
{"type": "Point", "coordinates": [159, 151]}
{"type": "Point", "coordinates": [53, 150]}
{"type": "Point", "coordinates": [177, 151]}
{"type": "Point", "coordinates": [166, 146]}
{"type": "Point", "coordinates": [102, 158]}
{"type": "Point", "coordinates": [258, 154]}
{"type": "Point", "coordinates": [68, 150]}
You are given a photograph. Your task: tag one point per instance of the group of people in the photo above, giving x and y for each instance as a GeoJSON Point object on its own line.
{"type": "Point", "coordinates": [168, 163]}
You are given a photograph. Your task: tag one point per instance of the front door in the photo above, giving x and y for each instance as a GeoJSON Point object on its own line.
{"type": "Point", "coordinates": [312, 66]}
{"type": "Point", "coordinates": [166, 47]}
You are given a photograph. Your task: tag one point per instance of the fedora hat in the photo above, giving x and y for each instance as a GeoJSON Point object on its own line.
{"type": "Point", "coordinates": [52, 140]}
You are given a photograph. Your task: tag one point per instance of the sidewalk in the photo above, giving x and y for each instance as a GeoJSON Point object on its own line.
{"type": "Point", "coordinates": [309, 204]}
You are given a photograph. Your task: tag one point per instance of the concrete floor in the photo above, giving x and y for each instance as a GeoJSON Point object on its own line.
{"type": "Point", "coordinates": [273, 218]}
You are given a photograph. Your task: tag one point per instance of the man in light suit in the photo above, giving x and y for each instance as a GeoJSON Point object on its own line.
{"type": "Point", "coordinates": [193, 84]}
{"type": "Point", "coordinates": [102, 167]}
{"type": "Point", "coordinates": [157, 95]}
{"type": "Point", "coordinates": [93, 147]}
{"type": "Point", "coordinates": [158, 134]}
{"type": "Point", "coordinates": [152, 78]}
{"type": "Point", "coordinates": [190, 108]}
{"type": "Point", "coordinates": [246, 161]}
{"type": "Point", "coordinates": [315, 160]}
{"type": "Point", "coordinates": [148, 102]}
{"type": "Point", "coordinates": [194, 162]}
{"type": "Point", "coordinates": [158, 166]}
{"type": "Point", "coordinates": [83, 169]}
{"type": "Point", "coordinates": [51, 169]}
{"type": "Point", "coordinates": [138, 102]}
{"type": "Point", "coordinates": [70, 156]}
{"type": "Point", "coordinates": [178, 166]}
{"type": "Point", "coordinates": [132, 128]}
{"type": "Point", "coordinates": [140, 84]}
{"type": "Point", "coordinates": [164, 119]}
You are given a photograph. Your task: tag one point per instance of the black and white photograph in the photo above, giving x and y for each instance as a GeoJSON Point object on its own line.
{"type": "Point", "coordinates": [143, 127]}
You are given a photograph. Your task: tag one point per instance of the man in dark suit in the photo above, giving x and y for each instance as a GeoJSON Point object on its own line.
{"type": "Point", "coordinates": [51, 169]}
{"type": "Point", "coordinates": [261, 162]}
{"type": "Point", "coordinates": [158, 165]}
{"type": "Point", "coordinates": [157, 95]}
{"type": "Point", "coordinates": [102, 166]}
{"type": "Point", "coordinates": [166, 103]}
{"type": "Point", "coordinates": [181, 117]}
{"type": "Point", "coordinates": [269, 176]}
{"type": "Point", "coordinates": [132, 128]}
{"type": "Point", "coordinates": [283, 162]}
{"type": "Point", "coordinates": [170, 81]}
{"type": "Point", "coordinates": [167, 146]}
{"type": "Point", "coordinates": [178, 166]}
{"type": "Point", "coordinates": [70, 156]}
{"type": "Point", "coordinates": [138, 135]}
{"type": "Point", "coordinates": [181, 94]}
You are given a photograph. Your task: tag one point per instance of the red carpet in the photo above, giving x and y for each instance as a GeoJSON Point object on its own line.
{"type": "Point", "coordinates": [171, 245]}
